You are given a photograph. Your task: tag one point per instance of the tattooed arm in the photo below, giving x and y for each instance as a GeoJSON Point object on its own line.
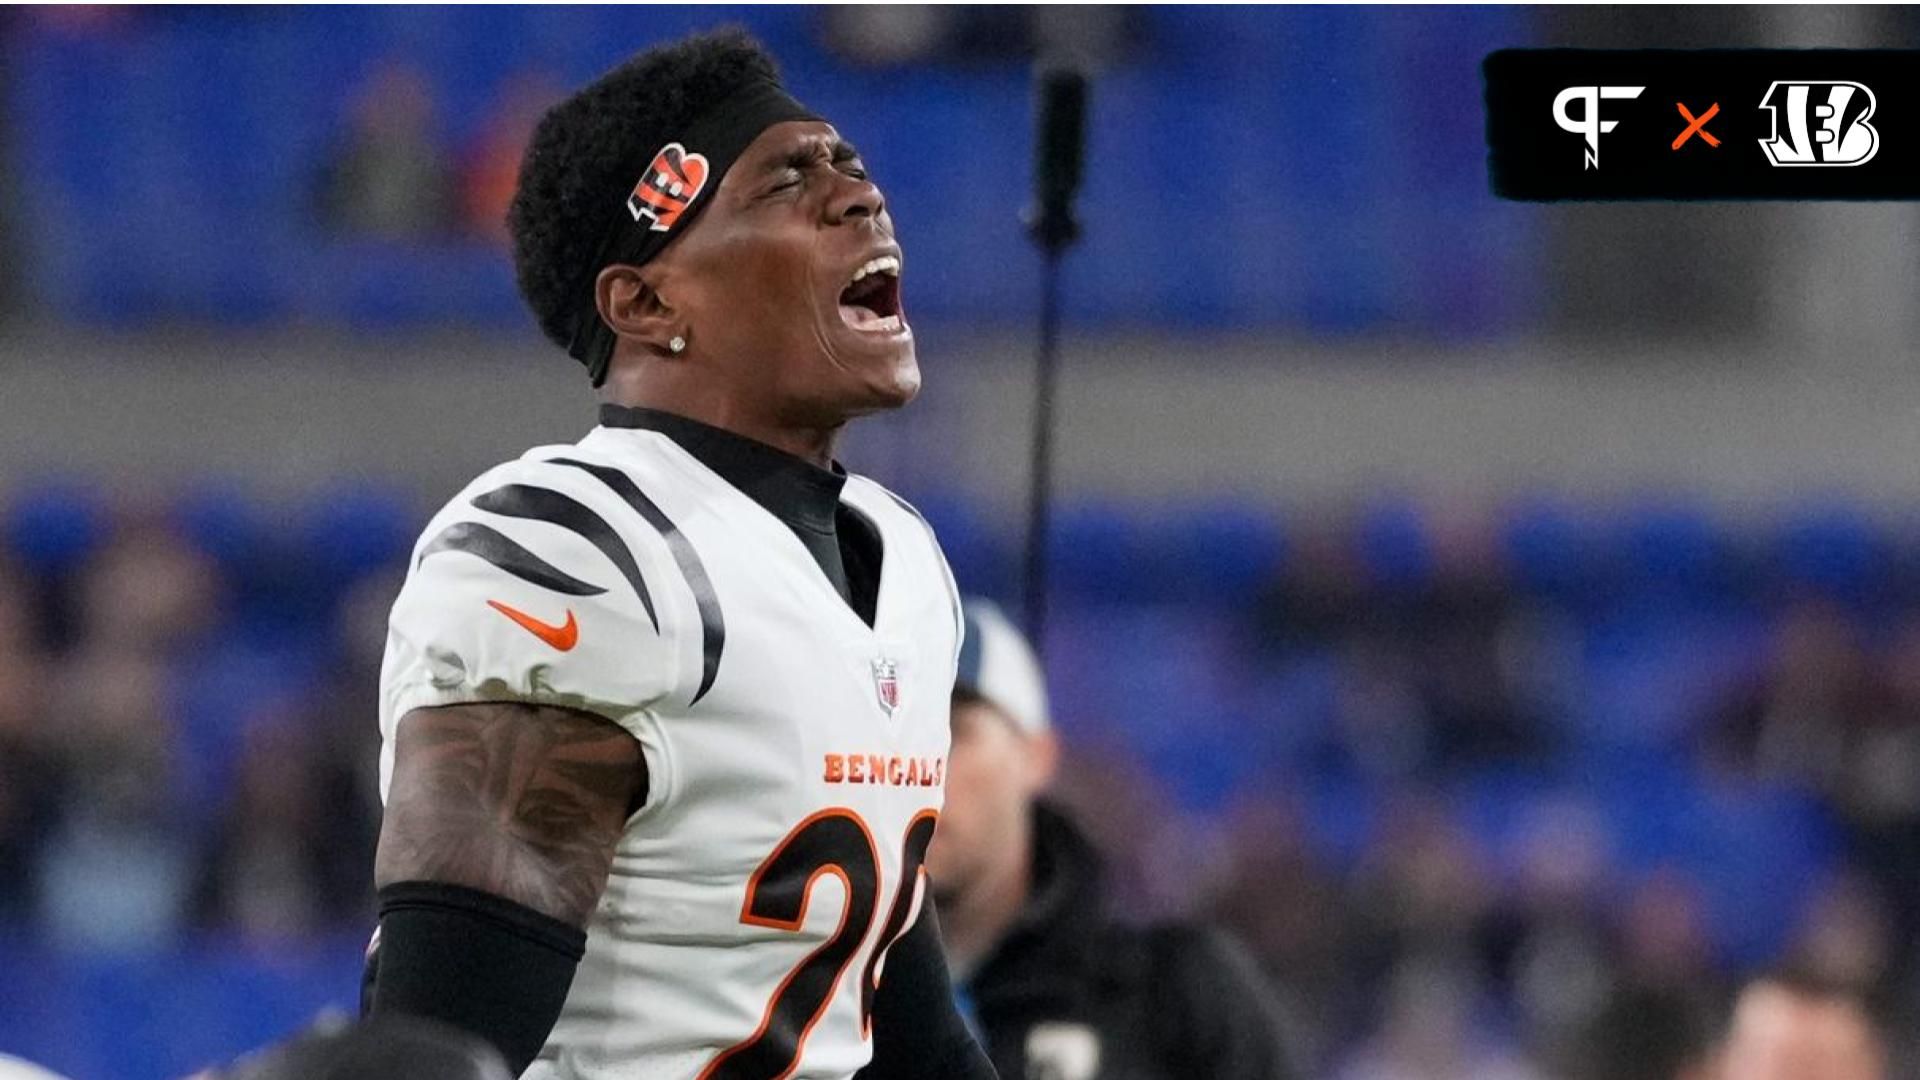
{"type": "Point", "coordinates": [522, 801]}
{"type": "Point", "coordinates": [500, 828]}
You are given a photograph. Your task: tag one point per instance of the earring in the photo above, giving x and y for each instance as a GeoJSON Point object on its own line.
{"type": "Point", "coordinates": [678, 345]}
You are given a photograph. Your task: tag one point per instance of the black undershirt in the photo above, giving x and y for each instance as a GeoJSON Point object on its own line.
{"type": "Point", "coordinates": [801, 494]}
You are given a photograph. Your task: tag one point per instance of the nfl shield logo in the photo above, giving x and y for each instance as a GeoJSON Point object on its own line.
{"type": "Point", "coordinates": [886, 682]}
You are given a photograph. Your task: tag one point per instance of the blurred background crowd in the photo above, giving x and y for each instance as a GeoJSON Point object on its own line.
{"type": "Point", "coordinates": [1505, 619]}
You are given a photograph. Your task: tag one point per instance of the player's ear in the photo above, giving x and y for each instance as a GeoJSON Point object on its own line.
{"type": "Point", "coordinates": [632, 304]}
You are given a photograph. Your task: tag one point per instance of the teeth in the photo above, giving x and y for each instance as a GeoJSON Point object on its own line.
{"type": "Point", "coordinates": [888, 324]}
{"type": "Point", "coordinates": [885, 264]}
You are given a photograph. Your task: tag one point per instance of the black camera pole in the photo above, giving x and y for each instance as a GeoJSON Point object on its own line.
{"type": "Point", "coordinates": [1060, 137]}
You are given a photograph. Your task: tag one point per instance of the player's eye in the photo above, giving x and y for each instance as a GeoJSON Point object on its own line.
{"type": "Point", "coordinates": [847, 160]}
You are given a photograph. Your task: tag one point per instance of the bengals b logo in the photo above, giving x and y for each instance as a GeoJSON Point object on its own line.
{"type": "Point", "coordinates": [668, 187]}
{"type": "Point", "coordinates": [1825, 123]}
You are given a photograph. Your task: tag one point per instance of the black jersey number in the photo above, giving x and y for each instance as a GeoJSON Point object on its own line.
{"type": "Point", "coordinates": [913, 858]}
{"type": "Point", "coordinates": [833, 841]}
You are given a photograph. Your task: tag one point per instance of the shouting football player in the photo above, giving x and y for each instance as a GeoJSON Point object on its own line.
{"type": "Point", "coordinates": [665, 710]}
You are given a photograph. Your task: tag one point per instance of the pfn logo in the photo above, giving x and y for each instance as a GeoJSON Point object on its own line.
{"type": "Point", "coordinates": [1589, 124]}
{"type": "Point", "coordinates": [1826, 124]}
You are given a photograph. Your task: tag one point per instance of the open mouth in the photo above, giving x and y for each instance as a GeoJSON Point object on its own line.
{"type": "Point", "coordinates": [871, 301]}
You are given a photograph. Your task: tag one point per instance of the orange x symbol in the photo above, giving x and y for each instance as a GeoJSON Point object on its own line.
{"type": "Point", "coordinates": [1697, 125]}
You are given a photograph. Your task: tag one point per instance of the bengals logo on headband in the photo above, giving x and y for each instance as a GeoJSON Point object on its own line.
{"type": "Point", "coordinates": [668, 187]}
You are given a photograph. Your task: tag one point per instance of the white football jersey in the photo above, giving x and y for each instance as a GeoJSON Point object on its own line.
{"type": "Point", "coordinates": [796, 756]}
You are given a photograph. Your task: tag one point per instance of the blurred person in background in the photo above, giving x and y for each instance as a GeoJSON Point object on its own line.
{"type": "Point", "coordinates": [389, 177]}
{"type": "Point", "coordinates": [1848, 937]}
{"type": "Point", "coordinates": [27, 792]}
{"type": "Point", "coordinates": [1480, 655]}
{"type": "Point", "coordinates": [1151, 865]}
{"type": "Point", "coordinates": [1277, 895]}
{"type": "Point", "coordinates": [1795, 1026]}
{"type": "Point", "coordinates": [289, 854]}
{"type": "Point", "coordinates": [1653, 1022]}
{"type": "Point", "coordinates": [1423, 888]}
{"type": "Point", "coordinates": [894, 35]}
{"type": "Point", "coordinates": [1419, 903]}
{"type": "Point", "coordinates": [117, 869]}
{"type": "Point", "coordinates": [1546, 943]}
{"type": "Point", "coordinates": [290, 849]}
{"type": "Point", "coordinates": [1058, 987]}
{"type": "Point", "coordinates": [1439, 668]}
{"type": "Point", "coordinates": [1794, 719]}
{"type": "Point", "coordinates": [147, 593]}
{"type": "Point", "coordinates": [490, 167]}
{"type": "Point", "coordinates": [1877, 791]}
{"type": "Point", "coordinates": [1429, 1031]}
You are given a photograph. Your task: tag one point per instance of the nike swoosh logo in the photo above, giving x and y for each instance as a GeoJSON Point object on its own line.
{"type": "Point", "coordinates": [562, 637]}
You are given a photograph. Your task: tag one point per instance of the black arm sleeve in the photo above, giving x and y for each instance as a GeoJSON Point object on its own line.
{"type": "Point", "coordinates": [917, 1030]}
{"type": "Point", "coordinates": [476, 961]}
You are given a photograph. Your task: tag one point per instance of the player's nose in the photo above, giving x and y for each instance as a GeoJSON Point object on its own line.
{"type": "Point", "coordinates": [854, 199]}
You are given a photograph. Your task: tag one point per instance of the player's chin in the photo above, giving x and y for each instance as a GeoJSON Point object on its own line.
{"type": "Point", "coordinates": [898, 381]}
{"type": "Point", "coordinates": [886, 370]}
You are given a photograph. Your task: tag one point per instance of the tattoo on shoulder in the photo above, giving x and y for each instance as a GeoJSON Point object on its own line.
{"type": "Point", "coordinates": [523, 801]}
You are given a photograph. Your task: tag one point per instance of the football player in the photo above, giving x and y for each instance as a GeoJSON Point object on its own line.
{"type": "Point", "coordinates": [665, 710]}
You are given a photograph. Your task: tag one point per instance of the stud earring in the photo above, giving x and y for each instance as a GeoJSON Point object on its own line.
{"type": "Point", "coordinates": [678, 345]}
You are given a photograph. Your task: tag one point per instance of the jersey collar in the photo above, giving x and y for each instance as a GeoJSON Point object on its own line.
{"type": "Point", "coordinates": [798, 492]}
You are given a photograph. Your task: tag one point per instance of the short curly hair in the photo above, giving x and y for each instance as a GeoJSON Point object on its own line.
{"type": "Point", "coordinates": [586, 152]}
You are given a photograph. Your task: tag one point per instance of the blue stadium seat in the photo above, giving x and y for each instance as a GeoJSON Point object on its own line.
{"type": "Point", "coordinates": [1394, 546]}
{"type": "Point", "coordinates": [221, 519]}
{"type": "Point", "coordinates": [358, 529]}
{"type": "Point", "coordinates": [979, 555]}
{"type": "Point", "coordinates": [1670, 547]}
{"type": "Point", "coordinates": [227, 119]}
{"type": "Point", "coordinates": [1549, 550]}
{"type": "Point", "coordinates": [53, 526]}
{"type": "Point", "coordinates": [1094, 552]}
{"type": "Point", "coordinates": [1833, 548]}
{"type": "Point", "coordinates": [1214, 553]}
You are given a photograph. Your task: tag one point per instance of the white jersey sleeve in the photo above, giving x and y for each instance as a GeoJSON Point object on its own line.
{"type": "Point", "coordinates": [533, 585]}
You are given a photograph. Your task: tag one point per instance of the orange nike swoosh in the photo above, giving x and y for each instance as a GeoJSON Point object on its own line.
{"type": "Point", "coordinates": [562, 637]}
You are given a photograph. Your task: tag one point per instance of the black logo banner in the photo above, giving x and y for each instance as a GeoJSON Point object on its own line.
{"type": "Point", "coordinates": [1703, 124]}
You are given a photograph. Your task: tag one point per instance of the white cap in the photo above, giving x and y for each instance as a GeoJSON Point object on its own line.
{"type": "Point", "coordinates": [997, 664]}
{"type": "Point", "coordinates": [12, 1068]}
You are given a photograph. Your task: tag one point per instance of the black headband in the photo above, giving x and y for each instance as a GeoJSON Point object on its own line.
{"type": "Point", "coordinates": [669, 194]}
